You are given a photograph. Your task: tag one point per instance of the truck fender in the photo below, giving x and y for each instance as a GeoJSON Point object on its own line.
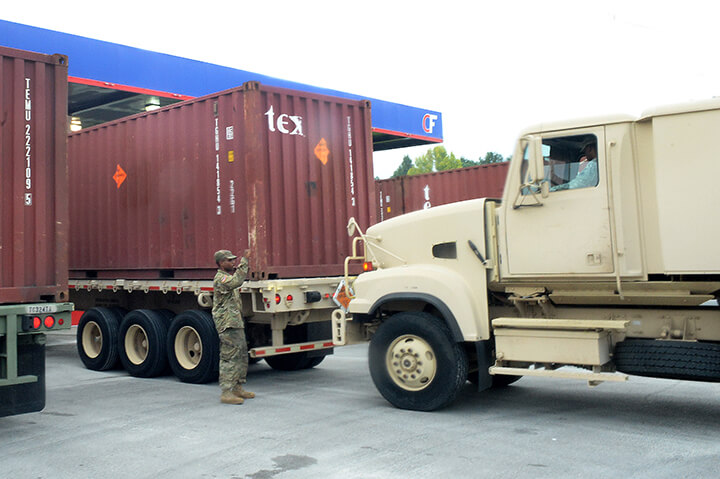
{"type": "Point", "coordinates": [463, 306]}
{"type": "Point", "coordinates": [447, 315]}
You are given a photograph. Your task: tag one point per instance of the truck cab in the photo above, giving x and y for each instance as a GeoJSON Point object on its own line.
{"type": "Point", "coordinates": [600, 254]}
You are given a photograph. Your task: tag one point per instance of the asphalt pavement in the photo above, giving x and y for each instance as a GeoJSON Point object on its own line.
{"type": "Point", "coordinates": [330, 422]}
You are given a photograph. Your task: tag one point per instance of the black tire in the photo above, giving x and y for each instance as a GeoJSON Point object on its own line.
{"type": "Point", "coordinates": [402, 355]}
{"type": "Point", "coordinates": [498, 380]}
{"type": "Point", "coordinates": [312, 362]}
{"type": "Point", "coordinates": [293, 361]}
{"type": "Point", "coordinates": [142, 343]}
{"type": "Point", "coordinates": [289, 362]}
{"type": "Point", "coordinates": [193, 347]}
{"type": "Point", "coordinates": [96, 338]}
{"type": "Point", "coordinates": [503, 380]}
{"type": "Point", "coordinates": [693, 361]}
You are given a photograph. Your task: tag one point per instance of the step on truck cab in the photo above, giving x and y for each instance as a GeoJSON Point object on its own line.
{"type": "Point", "coordinates": [601, 256]}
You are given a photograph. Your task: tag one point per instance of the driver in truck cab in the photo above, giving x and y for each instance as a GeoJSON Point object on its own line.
{"type": "Point", "coordinates": [587, 169]}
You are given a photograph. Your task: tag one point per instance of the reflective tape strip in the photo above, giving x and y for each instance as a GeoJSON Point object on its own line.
{"type": "Point", "coordinates": [290, 348]}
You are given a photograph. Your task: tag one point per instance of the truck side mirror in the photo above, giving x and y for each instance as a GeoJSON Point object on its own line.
{"type": "Point", "coordinates": [352, 224]}
{"type": "Point", "coordinates": [544, 189]}
{"type": "Point", "coordinates": [537, 164]}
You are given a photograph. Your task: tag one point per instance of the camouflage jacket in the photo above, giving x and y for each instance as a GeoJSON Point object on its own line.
{"type": "Point", "coordinates": [227, 305]}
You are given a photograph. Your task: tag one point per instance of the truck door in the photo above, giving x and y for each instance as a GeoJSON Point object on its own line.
{"type": "Point", "coordinates": [568, 232]}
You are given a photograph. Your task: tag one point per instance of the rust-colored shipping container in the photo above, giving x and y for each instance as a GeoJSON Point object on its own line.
{"type": "Point", "coordinates": [415, 192]}
{"type": "Point", "coordinates": [390, 199]}
{"type": "Point", "coordinates": [33, 177]}
{"type": "Point", "coordinates": [274, 170]}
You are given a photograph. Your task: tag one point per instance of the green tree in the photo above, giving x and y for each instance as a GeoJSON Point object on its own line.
{"type": "Point", "coordinates": [465, 162]}
{"type": "Point", "coordinates": [422, 164]}
{"type": "Point", "coordinates": [447, 162]}
{"type": "Point", "coordinates": [491, 157]}
{"type": "Point", "coordinates": [436, 159]}
{"type": "Point", "coordinates": [404, 167]}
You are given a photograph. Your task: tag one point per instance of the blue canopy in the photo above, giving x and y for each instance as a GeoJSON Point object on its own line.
{"type": "Point", "coordinates": [107, 75]}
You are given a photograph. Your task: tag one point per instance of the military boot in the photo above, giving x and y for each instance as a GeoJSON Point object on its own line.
{"type": "Point", "coordinates": [227, 397]}
{"type": "Point", "coordinates": [240, 392]}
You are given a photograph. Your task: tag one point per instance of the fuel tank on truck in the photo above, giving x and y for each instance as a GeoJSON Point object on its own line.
{"type": "Point", "coordinates": [275, 170]}
{"type": "Point", "coordinates": [33, 177]}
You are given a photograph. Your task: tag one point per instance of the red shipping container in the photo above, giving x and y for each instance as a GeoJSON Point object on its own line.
{"type": "Point", "coordinates": [390, 198]}
{"type": "Point", "coordinates": [404, 194]}
{"type": "Point", "coordinates": [33, 177]}
{"type": "Point", "coordinates": [274, 170]}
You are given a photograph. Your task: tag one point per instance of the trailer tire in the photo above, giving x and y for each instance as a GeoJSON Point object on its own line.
{"type": "Point", "coordinates": [498, 380]}
{"type": "Point", "coordinates": [312, 362]}
{"type": "Point", "coordinates": [142, 343]}
{"type": "Point", "coordinates": [193, 347]}
{"type": "Point", "coordinates": [289, 362]}
{"type": "Point", "coordinates": [414, 362]}
{"type": "Point", "coordinates": [97, 338]}
{"type": "Point", "coordinates": [695, 361]}
{"type": "Point", "coordinates": [503, 380]}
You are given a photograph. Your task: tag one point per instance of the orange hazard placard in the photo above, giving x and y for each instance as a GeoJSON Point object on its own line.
{"type": "Point", "coordinates": [321, 151]}
{"type": "Point", "coordinates": [119, 176]}
{"type": "Point", "coordinates": [341, 296]}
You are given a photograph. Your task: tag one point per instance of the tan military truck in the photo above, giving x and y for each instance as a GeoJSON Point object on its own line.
{"type": "Point", "coordinates": [603, 255]}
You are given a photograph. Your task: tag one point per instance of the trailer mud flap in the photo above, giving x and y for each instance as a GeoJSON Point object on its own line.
{"type": "Point", "coordinates": [28, 396]}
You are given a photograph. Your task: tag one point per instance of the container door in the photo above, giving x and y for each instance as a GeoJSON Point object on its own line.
{"type": "Point", "coordinates": [568, 232]}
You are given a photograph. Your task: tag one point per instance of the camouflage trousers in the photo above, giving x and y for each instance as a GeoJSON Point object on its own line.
{"type": "Point", "coordinates": [233, 358]}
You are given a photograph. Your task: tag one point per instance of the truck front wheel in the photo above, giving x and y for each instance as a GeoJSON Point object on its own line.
{"type": "Point", "coordinates": [414, 362]}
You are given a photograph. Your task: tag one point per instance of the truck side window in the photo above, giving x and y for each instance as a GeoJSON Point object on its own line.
{"type": "Point", "coordinates": [572, 162]}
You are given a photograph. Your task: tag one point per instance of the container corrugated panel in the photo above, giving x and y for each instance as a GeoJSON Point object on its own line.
{"type": "Point", "coordinates": [442, 187]}
{"type": "Point", "coordinates": [274, 170]}
{"type": "Point", "coordinates": [33, 177]}
{"type": "Point", "coordinates": [389, 194]}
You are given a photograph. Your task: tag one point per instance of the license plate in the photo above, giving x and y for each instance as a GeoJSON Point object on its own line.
{"type": "Point", "coordinates": [41, 308]}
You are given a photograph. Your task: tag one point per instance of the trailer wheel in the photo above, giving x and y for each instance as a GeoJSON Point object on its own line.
{"type": "Point", "coordinates": [312, 362]}
{"type": "Point", "coordinates": [143, 343]}
{"type": "Point", "coordinates": [503, 380]}
{"type": "Point", "coordinates": [193, 347]}
{"type": "Point", "coordinates": [498, 380]}
{"type": "Point", "coordinates": [695, 361]}
{"type": "Point", "coordinates": [293, 361]}
{"type": "Point", "coordinates": [415, 364]}
{"type": "Point", "coordinates": [97, 341]}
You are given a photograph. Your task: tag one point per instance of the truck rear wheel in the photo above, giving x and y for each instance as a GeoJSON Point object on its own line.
{"type": "Point", "coordinates": [142, 343]}
{"type": "Point", "coordinates": [689, 360]}
{"type": "Point", "coordinates": [97, 338]}
{"type": "Point", "coordinates": [415, 364]}
{"type": "Point", "coordinates": [193, 347]}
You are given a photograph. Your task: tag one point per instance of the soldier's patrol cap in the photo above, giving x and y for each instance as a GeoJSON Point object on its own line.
{"type": "Point", "coordinates": [223, 254]}
{"type": "Point", "coordinates": [590, 141]}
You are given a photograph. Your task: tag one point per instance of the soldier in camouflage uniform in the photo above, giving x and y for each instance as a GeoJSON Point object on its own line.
{"type": "Point", "coordinates": [227, 307]}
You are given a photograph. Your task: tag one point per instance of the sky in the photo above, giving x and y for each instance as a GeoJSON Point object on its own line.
{"type": "Point", "coordinates": [491, 68]}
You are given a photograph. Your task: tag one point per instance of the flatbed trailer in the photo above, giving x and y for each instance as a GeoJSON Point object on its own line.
{"type": "Point", "coordinates": [148, 325]}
